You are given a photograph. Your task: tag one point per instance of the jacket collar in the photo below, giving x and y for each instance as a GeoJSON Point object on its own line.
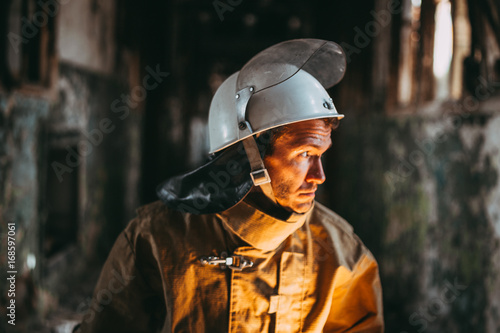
{"type": "Point", "coordinates": [259, 229]}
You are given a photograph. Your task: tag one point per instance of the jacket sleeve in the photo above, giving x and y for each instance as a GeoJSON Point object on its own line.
{"type": "Point", "coordinates": [357, 299]}
{"type": "Point", "coordinates": [124, 299]}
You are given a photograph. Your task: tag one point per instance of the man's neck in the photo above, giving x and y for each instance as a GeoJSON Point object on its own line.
{"type": "Point", "coordinates": [259, 200]}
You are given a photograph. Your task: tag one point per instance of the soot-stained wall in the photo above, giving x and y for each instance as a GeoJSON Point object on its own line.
{"type": "Point", "coordinates": [69, 165]}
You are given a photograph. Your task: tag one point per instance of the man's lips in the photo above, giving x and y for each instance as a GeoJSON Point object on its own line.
{"type": "Point", "coordinates": [308, 193]}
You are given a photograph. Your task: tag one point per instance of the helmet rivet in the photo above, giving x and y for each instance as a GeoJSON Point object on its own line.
{"type": "Point", "coordinates": [251, 88]}
{"type": "Point", "coordinates": [325, 104]}
{"type": "Point", "coordinates": [242, 126]}
{"type": "Point", "coordinates": [237, 96]}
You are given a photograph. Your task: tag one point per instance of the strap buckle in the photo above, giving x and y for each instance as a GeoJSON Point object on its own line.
{"type": "Point", "coordinates": [234, 262]}
{"type": "Point", "coordinates": [260, 177]}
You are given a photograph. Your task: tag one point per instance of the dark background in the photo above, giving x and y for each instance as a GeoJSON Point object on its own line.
{"type": "Point", "coordinates": [414, 165]}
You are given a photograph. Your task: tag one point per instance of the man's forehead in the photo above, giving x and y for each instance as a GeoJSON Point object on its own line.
{"type": "Point", "coordinates": [309, 131]}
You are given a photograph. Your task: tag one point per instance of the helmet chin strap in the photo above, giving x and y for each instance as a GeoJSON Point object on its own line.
{"type": "Point", "coordinates": [259, 173]}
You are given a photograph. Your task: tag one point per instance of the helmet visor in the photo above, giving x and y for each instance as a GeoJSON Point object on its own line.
{"type": "Point", "coordinates": [324, 60]}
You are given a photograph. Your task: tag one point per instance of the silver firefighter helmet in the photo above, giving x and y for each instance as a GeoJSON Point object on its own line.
{"type": "Point", "coordinates": [283, 84]}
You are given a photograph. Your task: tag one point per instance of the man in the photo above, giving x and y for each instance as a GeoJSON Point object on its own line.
{"type": "Point", "coordinates": [240, 245]}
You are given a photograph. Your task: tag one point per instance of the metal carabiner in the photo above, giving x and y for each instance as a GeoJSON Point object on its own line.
{"type": "Point", "coordinates": [234, 262]}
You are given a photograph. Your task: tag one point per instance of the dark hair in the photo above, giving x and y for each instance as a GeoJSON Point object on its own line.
{"type": "Point", "coordinates": [269, 137]}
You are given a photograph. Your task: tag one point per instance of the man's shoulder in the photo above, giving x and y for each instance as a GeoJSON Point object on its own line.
{"type": "Point", "coordinates": [152, 210]}
{"type": "Point", "coordinates": [152, 217]}
{"type": "Point", "coordinates": [157, 219]}
{"type": "Point", "coordinates": [335, 232]}
{"type": "Point", "coordinates": [329, 219]}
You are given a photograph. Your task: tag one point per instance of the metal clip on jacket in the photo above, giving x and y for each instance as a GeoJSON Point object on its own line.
{"type": "Point", "coordinates": [234, 262]}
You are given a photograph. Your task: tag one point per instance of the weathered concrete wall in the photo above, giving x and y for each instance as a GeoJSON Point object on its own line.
{"type": "Point", "coordinates": [86, 117]}
{"type": "Point", "coordinates": [423, 193]}
{"type": "Point", "coordinates": [20, 131]}
{"type": "Point", "coordinates": [86, 34]}
{"type": "Point", "coordinates": [106, 144]}
{"type": "Point", "coordinates": [107, 141]}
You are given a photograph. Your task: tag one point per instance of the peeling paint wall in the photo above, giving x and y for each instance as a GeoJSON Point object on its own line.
{"type": "Point", "coordinates": [21, 119]}
{"type": "Point", "coordinates": [106, 149]}
{"type": "Point", "coordinates": [81, 121]}
{"type": "Point", "coordinates": [71, 133]}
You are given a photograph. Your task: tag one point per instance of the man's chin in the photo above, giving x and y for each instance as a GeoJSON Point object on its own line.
{"type": "Point", "coordinates": [299, 205]}
{"type": "Point", "coordinates": [303, 207]}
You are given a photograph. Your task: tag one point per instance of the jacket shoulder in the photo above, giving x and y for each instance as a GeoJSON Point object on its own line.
{"type": "Point", "coordinates": [158, 213]}
{"type": "Point", "coordinates": [338, 236]}
{"type": "Point", "coordinates": [152, 220]}
{"type": "Point", "coordinates": [329, 218]}
{"type": "Point", "coordinates": [152, 210]}
{"type": "Point", "coordinates": [160, 224]}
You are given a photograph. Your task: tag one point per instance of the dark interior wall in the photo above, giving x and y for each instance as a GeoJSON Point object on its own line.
{"type": "Point", "coordinates": [69, 153]}
{"type": "Point", "coordinates": [103, 153]}
{"type": "Point", "coordinates": [19, 155]}
{"type": "Point", "coordinates": [420, 187]}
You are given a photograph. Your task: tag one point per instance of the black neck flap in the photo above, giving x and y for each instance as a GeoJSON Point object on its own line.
{"type": "Point", "coordinates": [214, 187]}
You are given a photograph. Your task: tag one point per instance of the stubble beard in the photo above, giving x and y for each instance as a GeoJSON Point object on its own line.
{"type": "Point", "coordinates": [283, 197]}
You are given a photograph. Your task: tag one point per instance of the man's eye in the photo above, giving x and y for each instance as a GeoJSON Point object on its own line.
{"type": "Point", "coordinates": [304, 154]}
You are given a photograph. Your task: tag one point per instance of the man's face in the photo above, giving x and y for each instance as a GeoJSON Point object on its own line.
{"type": "Point", "coordinates": [295, 164]}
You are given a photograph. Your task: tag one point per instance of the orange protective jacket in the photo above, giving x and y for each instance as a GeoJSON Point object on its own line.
{"type": "Point", "coordinates": [310, 273]}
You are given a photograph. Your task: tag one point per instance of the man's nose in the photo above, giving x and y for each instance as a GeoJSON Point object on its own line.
{"type": "Point", "coordinates": [315, 173]}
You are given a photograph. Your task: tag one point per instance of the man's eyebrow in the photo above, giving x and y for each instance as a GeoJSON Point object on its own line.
{"type": "Point", "coordinates": [305, 145]}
